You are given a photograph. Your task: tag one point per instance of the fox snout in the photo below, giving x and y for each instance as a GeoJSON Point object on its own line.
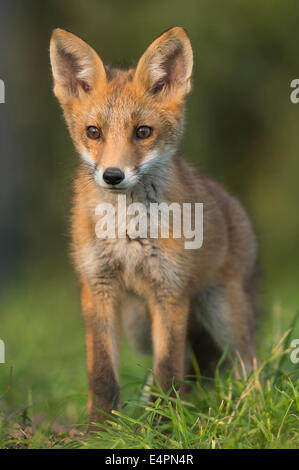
{"type": "Point", "coordinates": [113, 176]}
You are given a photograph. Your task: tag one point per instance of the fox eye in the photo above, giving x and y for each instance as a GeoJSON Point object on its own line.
{"type": "Point", "coordinates": [143, 132]}
{"type": "Point", "coordinates": [93, 132]}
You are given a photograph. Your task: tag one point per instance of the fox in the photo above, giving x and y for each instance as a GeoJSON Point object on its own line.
{"type": "Point", "coordinates": [127, 127]}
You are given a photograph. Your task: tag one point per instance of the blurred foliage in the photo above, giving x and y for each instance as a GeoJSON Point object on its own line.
{"type": "Point", "coordinates": [241, 127]}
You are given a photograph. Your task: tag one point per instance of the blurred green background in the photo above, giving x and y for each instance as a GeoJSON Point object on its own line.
{"type": "Point", "coordinates": [241, 128]}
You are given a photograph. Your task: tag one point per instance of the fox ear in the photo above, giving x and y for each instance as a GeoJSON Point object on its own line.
{"type": "Point", "coordinates": [76, 67]}
{"type": "Point", "coordinates": [167, 64]}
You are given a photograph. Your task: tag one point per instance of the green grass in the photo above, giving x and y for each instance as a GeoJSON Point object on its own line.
{"type": "Point", "coordinates": [43, 386]}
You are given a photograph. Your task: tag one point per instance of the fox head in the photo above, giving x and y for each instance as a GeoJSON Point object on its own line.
{"type": "Point", "coordinates": [124, 124]}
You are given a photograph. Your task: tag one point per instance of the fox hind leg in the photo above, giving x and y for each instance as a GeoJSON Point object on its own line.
{"type": "Point", "coordinates": [227, 314]}
{"type": "Point", "coordinates": [207, 353]}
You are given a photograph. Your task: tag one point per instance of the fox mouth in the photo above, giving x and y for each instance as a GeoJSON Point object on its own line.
{"type": "Point", "coordinates": [114, 189]}
{"type": "Point", "coordinates": [117, 188]}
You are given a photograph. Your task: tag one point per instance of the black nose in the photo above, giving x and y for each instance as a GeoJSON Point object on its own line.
{"type": "Point", "coordinates": [113, 176]}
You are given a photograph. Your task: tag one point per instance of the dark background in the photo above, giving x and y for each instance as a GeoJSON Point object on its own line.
{"type": "Point", "coordinates": [241, 128]}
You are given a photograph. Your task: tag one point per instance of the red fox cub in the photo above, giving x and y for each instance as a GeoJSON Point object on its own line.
{"type": "Point", "coordinates": [127, 127]}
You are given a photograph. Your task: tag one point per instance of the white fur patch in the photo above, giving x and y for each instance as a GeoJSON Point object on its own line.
{"type": "Point", "coordinates": [130, 177]}
{"type": "Point", "coordinates": [155, 159]}
{"type": "Point", "coordinates": [87, 158]}
{"type": "Point", "coordinates": [98, 176]}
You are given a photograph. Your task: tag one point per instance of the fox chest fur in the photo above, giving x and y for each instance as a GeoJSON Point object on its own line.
{"type": "Point", "coordinates": [139, 264]}
{"type": "Point", "coordinates": [145, 265]}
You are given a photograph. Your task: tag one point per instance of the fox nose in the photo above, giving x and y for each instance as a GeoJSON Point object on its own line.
{"type": "Point", "coordinates": [113, 176]}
